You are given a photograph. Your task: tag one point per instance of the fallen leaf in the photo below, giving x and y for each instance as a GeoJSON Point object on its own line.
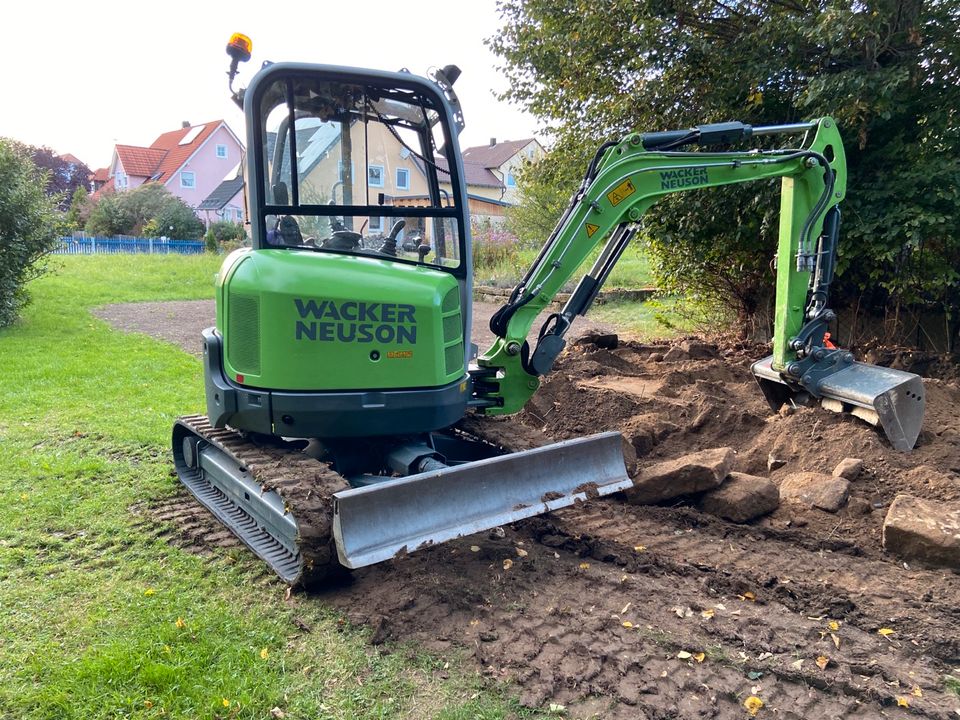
{"type": "Point", "coordinates": [764, 655]}
{"type": "Point", "coordinates": [625, 608]}
{"type": "Point", "coordinates": [507, 564]}
{"type": "Point", "coordinates": [708, 613]}
{"type": "Point", "coordinates": [748, 596]}
{"type": "Point", "coordinates": [264, 654]}
{"type": "Point", "coordinates": [557, 708]}
{"type": "Point", "coordinates": [753, 705]}
{"type": "Point", "coordinates": [916, 692]}
{"type": "Point", "coordinates": [822, 662]}
{"type": "Point", "coordinates": [627, 624]}
{"type": "Point", "coordinates": [902, 702]}
{"type": "Point", "coordinates": [474, 548]}
{"type": "Point", "coordinates": [180, 623]}
{"type": "Point", "coordinates": [684, 655]}
{"type": "Point", "coordinates": [833, 625]}
{"type": "Point", "coordinates": [836, 640]}
{"type": "Point", "coordinates": [584, 565]}
{"type": "Point", "coordinates": [721, 607]}
{"type": "Point", "coordinates": [147, 704]}
{"type": "Point", "coordinates": [623, 578]}
{"type": "Point", "coordinates": [797, 664]}
{"type": "Point", "coordinates": [699, 657]}
{"type": "Point", "coordinates": [149, 591]}
{"type": "Point", "coordinates": [639, 548]}
{"type": "Point", "coordinates": [521, 552]}
{"type": "Point", "coordinates": [886, 632]}
{"type": "Point", "coordinates": [277, 713]}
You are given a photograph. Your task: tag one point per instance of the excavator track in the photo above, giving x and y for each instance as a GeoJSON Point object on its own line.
{"type": "Point", "coordinates": [289, 523]}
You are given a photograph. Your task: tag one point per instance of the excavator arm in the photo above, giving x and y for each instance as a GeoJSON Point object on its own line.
{"type": "Point", "coordinates": [623, 182]}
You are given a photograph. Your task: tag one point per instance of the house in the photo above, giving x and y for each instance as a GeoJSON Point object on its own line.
{"type": "Point", "coordinates": [224, 203]}
{"type": "Point", "coordinates": [491, 174]}
{"type": "Point", "coordinates": [190, 162]}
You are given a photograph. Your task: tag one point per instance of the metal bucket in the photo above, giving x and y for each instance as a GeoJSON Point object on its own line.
{"type": "Point", "coordinates": [893, 399]}
{"type": "Point", "coordinates": [375, 523]}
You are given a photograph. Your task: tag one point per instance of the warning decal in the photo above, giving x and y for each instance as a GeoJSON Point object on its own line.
{"type": "Point", "coordinates": [591, 229]}
{"type": "Point", "coordinates": [621, 192]}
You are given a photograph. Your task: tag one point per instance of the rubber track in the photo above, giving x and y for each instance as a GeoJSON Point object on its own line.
{"type": "Point", "coordinates": [305, 485]}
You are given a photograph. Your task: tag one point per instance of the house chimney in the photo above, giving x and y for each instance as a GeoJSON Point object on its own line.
{"type": "Point", "coordinates": [493, 141]}
{"type": "Point", "coordinates": [185, 124]}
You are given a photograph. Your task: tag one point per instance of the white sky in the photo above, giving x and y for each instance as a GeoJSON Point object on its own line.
{"type": "Point", "coordinates": [81, 76]}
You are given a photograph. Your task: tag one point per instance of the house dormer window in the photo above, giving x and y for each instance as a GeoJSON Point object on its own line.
{"type": "Point", "coordinates": [403, 179]}
{"type": "Point", "coordinates": [188, 179]}
{"type": "Point", "coordinates": [222, 151]}
{"type": "Point", "coordinates": [511, 180]}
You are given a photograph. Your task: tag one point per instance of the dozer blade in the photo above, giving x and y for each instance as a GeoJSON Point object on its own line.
{"type": "Point", "coordinates": [894, 399]}
{"type": "Point", "coordinates": [380, 521]}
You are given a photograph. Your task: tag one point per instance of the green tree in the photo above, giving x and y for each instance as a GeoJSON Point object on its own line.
{"type": "Point", "coordinates": [885, 69]}
{"type": "Point", "coordinates": [150, 210]}
{"type": "Point", "coordinates": [80, 207]}
{"type": "Point", "coordinates": [30, 226]}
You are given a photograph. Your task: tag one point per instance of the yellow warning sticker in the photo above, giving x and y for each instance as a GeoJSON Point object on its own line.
{"type": "Point", "coordinates": [591, 229]}
{"type": "Point", "coordinates": [621, 192]}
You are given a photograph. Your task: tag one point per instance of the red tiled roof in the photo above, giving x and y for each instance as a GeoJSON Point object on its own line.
{"type": "Point", "coordinates": [107, 189]}
{"type": "Point", "coordinates": [100, 175]}
{"type": "Point", "coordinates": [72, 159]}
{"type": "Point", "coordinates": [492, 156]}
{"type": "Point", "coordinates": [476, 175]}
{"type": "Point", "coordinates": [176, 154]}
{"type": "Point", "coordinates": [140, 161]}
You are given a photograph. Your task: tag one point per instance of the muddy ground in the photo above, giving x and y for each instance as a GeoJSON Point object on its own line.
{"type": "Point", "coordinates": [620, 611]}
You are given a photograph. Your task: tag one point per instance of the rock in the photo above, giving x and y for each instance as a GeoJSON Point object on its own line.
{"type": "Point", "coordinates": [646, 431]}
{"type": "Point", "coordinates": [607, 341]}
{"type": "Point", "coordinates": [816, 490]}
{"type": "Point", "coordinates": [925, 531]}
{"type": "Point", "coordinates": [857, 506]}
{"type": "Point", "coordinates": [741, 498]}
{"type": "Point", "coordinates": [774, 463]}
{"type": "Point", "coordinates": [655, 357]}
{"type": "Point", "coordinates": [786, 410]}
{"type": "Point", "coordinates": [698, 350]}
{"type": "Point", "coordinates": [849, 468]}
{"type": "Point", "coordinates": [686, 475]}
{"type": "Point", "coordinates": [675, 353]}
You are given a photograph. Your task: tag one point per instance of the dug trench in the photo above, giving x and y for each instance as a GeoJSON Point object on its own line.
{"type": "Point", "coordinates": [617, 610]}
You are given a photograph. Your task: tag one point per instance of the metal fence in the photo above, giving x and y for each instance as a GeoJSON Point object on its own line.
{"type": "Point", "coordinates": [127, 246]}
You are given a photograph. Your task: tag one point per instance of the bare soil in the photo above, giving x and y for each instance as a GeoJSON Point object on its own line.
{"type": "Point", "coordinates": [606, 608]}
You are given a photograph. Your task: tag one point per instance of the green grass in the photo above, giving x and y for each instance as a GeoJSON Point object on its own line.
{"type": "Point", "coordinates": [90, 599]}
{"type": "Point", "coordinates": [503, 265]}
{"type": "Point", "coordinates": [658, 318]}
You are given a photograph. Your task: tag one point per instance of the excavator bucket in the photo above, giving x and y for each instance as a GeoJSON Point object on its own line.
{"type": "Point", "coordinates": [384, 520]}
{"type": "Point", "coordinates": [892, 399]}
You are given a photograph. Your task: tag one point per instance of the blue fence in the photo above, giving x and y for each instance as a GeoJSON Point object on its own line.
{"type": "Point", "coordinates": [127, 246]}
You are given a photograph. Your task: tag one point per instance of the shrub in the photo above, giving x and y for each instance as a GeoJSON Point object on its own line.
{"type": "Point", "coordinates": [30, 227]}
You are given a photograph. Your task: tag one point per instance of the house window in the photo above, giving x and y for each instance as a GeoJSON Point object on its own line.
{"type": "Point", "coordinates": [188, 179]}
{"type": "Point", "coordinates": [511, 180]}
{"type": "Point", "coordinates": [120, 180]}
{"type": "Point", "coordinates": [376, 224]}
{"type": "Point", "coordinates": [375, 175]}
{"type": "Point", "coordinates": [403, 179]}
{"type": "Point", "coordinates": [239, 214]}
{"type": "Point", "coordinates": [221, 151]}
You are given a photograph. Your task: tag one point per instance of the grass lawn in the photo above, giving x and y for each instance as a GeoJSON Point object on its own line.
{"type": "Point", "coordinates": [102, 619]}
{"type": "Point", "coordinates": [502, 265]}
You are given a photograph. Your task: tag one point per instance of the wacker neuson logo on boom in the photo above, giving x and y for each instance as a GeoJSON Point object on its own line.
{"type": "Point", "coordinates": [683, 177]}
{"type": "Point", "coordinates": [361, 322]}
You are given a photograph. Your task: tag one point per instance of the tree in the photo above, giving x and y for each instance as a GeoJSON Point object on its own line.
{"type": "Point", "coordinates": [80, 208]}
{"type": "Point", "coordinates": [224, 234]}
{"type": "Point", "coordinates": [30, 226]}
{"type": "Point", "coordinates": [63, 176]}
{"type": "Point", "coordinates": [885, 69]}
{"type": "Point", "coordinates": [149, 210]}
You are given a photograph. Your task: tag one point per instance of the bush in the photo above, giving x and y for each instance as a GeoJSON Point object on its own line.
{"type": "Point", "coordinates": [224, 235]}
{"type": "Point", "coordinates": [30, 227]}
{"type": "Point", "coordinates": [149, 210]}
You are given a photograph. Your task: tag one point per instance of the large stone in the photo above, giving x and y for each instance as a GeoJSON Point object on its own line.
{"type": "Point", "coordinates": [816, 490]}
{"type": "Point", "coordinates": [606, 341]}
{"type": "Point", "coordinates": [741, 498]}
{"type": "Point", "coordinates": [849, 468]}
{"type": "Point", "coordinates": [925, 531]}
{"type": "Point", "coordinates": [686, 475]}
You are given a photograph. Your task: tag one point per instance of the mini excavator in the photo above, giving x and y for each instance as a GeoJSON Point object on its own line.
{"type": "Point", "coordinates": [340, 376]}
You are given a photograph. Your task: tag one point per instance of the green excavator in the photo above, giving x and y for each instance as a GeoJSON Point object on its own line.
{"type": "Point", "coordinates": [343, 391]}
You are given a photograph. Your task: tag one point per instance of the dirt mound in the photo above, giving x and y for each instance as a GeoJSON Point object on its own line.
{"type": "Point", "coordinates": [622, 611]}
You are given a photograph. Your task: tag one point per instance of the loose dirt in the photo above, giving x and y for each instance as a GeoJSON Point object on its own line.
{"type": "Point", "coordinates": [620, 611]}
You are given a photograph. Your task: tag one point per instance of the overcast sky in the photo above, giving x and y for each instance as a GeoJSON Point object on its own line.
{"type": "Point", "coordinates": [81, 76]}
